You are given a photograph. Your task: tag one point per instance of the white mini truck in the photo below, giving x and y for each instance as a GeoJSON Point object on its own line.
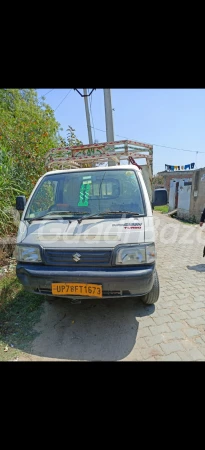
{"type": "Point", "coordinates": [89, 232]}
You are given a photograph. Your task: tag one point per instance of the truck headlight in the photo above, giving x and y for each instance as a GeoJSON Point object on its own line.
{"type": "Point", "coordinates": [136, 254]}
{"type": "Point", "coordinates": [28, 254]}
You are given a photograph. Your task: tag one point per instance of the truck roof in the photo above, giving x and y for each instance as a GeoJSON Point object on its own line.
{"type": "Point", "coordinates": [93, 169]}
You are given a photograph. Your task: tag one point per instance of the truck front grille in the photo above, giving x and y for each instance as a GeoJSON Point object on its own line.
{"type": "Point", "coordinates": [78, 258]}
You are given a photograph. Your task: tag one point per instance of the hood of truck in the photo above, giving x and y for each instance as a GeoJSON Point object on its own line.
{"type": "Point", "coordinates": [98, 233]}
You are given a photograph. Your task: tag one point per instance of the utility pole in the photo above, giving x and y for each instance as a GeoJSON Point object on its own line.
{"type": "Point", "coordinates": [87, 112]}
{"type": "Point", "coordinates": [196, 159]}
{"type": "Point", "coordinates": [109, 119]}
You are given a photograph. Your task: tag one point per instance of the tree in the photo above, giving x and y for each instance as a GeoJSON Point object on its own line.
{"type": "Point", "coordinates": [72, 141]}
{"type": "Point", "coordinates": [28, 129]}
{"type": "Point", "coordinates": [157, 180]}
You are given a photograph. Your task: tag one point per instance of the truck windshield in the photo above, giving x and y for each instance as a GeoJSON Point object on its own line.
{"type": "Point", "coordinates": [68, 195]}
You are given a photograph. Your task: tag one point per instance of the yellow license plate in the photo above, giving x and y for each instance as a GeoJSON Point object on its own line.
{"type": "Point", "coordinates": [86, 290]}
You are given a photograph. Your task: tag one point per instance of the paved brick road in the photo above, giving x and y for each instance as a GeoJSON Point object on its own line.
{"type": "Point", "coordinates": [175, 330]}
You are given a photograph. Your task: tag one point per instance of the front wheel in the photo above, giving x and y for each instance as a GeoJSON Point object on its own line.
{"type": "Point", "coordinates": [153, 295]}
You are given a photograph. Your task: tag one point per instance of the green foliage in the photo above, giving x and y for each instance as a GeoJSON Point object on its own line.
{"type": "Point", "coordinates": [72, 140]}
{"type": "Point", "coordinates": [28, 130]}
{"type": "Point", "coordinates": [10, 187]}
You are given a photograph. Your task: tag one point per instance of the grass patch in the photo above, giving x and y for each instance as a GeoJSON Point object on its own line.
{"type": "Point", "coordinates": [19, 312]}
{"type": "Point", "coordinates": [163, 209]}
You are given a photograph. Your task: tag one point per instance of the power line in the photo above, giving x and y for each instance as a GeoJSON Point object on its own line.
{"type": "Point", "coordinates": [63, 99]}
{"type": "Point", "coordinates": [47, 92]}
{"type": "Point", "coordinates": [156, 145]}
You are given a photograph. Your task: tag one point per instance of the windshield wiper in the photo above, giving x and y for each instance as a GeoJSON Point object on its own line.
{"type": "Point", "coordinates": [105, 213]}
{"type": "Point", "coordinates": [52, 213]}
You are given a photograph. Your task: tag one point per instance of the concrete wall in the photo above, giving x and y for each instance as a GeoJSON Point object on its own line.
{"type": "Point", "coordinates": [197, 203]}
{"type": "Point", "coordinates": [184, 194]}
{"type": "Point", "coordinates": [185, 187]}
{"type": "Point", "coordinates": [172, 191]}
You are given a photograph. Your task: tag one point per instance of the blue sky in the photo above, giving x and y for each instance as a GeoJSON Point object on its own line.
{"type": "Point", "coordinates": [162, 117]}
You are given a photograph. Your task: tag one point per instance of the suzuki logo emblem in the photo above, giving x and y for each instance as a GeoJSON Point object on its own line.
{"type": "Point", "coordinates": [76, 257]}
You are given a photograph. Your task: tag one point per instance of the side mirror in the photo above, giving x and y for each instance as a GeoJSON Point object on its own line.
{"type": "Point", "coordinates": [20, 202]}
{"type": "Point", "coordinates": [160, 197]}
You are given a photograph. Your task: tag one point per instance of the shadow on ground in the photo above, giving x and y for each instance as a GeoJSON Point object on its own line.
{"type": "Point", "coordinates": [94, 330]}
{"type": "Point", "coordinates": [197, 267]}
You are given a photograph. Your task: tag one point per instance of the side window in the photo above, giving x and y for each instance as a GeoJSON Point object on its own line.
{"type": "Point", "coordinates": [45, 197]}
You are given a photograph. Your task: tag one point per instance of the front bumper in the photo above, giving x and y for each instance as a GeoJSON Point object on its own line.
{"type": "Point", "coordinates": [115, 281]}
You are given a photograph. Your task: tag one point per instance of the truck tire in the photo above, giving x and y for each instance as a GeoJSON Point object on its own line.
{"type": "Point", "coordinates": [153, 295]}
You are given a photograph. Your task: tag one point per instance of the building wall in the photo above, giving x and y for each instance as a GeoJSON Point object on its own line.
{"type": "Point", "coordinates": [179, 175]}
{"type": "Point", "coordinates": [197, 203]}
{"type": "Point", "coordinates": [184, 194]}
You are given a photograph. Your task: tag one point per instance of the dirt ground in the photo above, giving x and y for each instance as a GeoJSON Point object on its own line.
{"type": "Point", "coordinates": [93, 330]}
